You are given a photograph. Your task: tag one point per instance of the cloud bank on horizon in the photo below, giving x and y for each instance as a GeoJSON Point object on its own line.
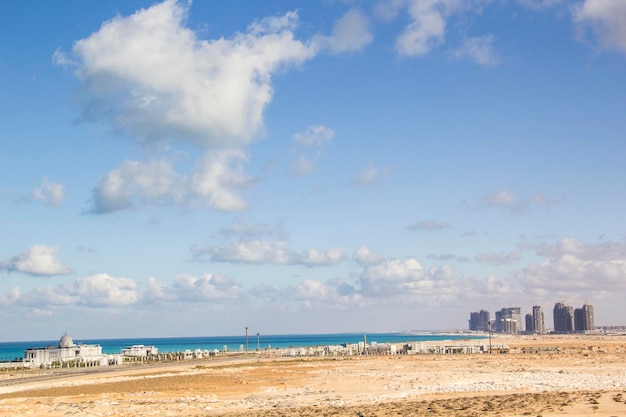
{"type": "Point", "coordinates": [318, 164]}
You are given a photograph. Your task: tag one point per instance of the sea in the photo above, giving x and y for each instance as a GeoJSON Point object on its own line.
{"type": "Point", "coordinates": [11, 351]}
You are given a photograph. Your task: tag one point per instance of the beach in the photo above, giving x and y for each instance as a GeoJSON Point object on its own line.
{"type": "Point", "coordinates": [539, 376]}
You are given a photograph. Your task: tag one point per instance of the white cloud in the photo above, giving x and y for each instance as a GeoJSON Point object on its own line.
{"type": "Point", "coordinates": [302, 165]}
{"type": "Point", "coordinates": [448, 257]}
{"type": "Point", "coordinates": [606, 18]}
{"type": "Point", "coordinates": [214, 178]}
{"type": "Point", "coordinates": [10, 297]}
{"type": "Point", "coordinates": [427, 28]}
{"type": "Point", "coordinates": [502, 199]}
{"type": "Point", "coordinates": [479, 49]}
{"type": "Point", "coordinates": [539, 4]}
{"type": "Point", "coordinates": [406, 279]}
{"type": "Point", "coordinates": [209, 287]}
{"type": "Point", "coordinates": [152, 181]}
{"type": "Point", "coordinates": [37, 260]}
{"type": "Point", "coordinates": [104, 290]}
{"type": "Point", "coordinates": [365, 256]}
{"type": "Point", "coordinates": [314, 136]}
{"type": "Point", "coordinates": [211, 183]}
{"type": "Point", "coordinates": [575, 268]}
{"type": "Point", "coordinates": [369, 176]}
{"type": "Point", "coordinates": [506, 200]}
{"type": "Point", "coordinates": [604, 251]}
{"type": "Point", "coordinates": [152, 77]}
{"type": "Point", "coordinates": [309, 148]}
{"type": "Point", "coordinates": [101, 290]}
{"type": "Point", "coordinates": [427, 225]}
{"type": "Point", "coordinates": [351, 32]}
{"type": "Point", "coordinates": [388, 10]}
{"type": "Point", "coordinates": [497, 258]}
{"type": "Point", "coordinates": [258, 251]}
{"type": "Point", "coordinates": [60, 58]}
{"type": "Point", "coordinates": [390, 277]}
{"type": "Point", "coordinates": [49, 192]}
{"type": "Point", "coordinates": [240, 228]}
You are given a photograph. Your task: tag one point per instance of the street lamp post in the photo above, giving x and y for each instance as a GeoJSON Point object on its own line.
{"type": "Point", "coordinates": [489, 324]}
{"type": "Point", "coordinates": [258, 346]}
{"type": "Point", "coordinates": [246, 339]}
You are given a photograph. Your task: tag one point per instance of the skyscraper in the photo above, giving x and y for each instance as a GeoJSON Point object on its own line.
{"type": "Point", "coordinates": [509, 320]}
{"type": "Point", "coordinates": [479, 321]}
{"type": "Point", "coordinates": [590, 324]}
{"type": "Point", "coordinates": [563, 318]}
{"type": "Point", "coordinates": [538, 320]}
{"type": "Point", "coordinates": [530, 325]}
{"type": "Point", "coordinates": [583, 318]}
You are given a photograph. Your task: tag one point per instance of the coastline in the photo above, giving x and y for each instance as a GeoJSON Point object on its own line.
{"type": "Point", "coordinates": [576, 374]}
{"type": "Point", "coordinates": [12, 350]}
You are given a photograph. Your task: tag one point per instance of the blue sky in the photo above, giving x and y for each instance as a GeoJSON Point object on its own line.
{"type": "Point", "coordinates": [188, 169]}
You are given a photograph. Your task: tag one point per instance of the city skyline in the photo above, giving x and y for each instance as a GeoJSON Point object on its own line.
{"type": "Point", "coordinates": [566, 319]}
{"type": "Point", "coordinates": [177, 168]}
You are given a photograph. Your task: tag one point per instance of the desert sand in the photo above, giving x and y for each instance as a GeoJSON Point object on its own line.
{"type": "Point", "coordinates": [540, 376]}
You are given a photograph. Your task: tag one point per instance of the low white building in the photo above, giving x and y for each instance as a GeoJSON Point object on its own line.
{"type": "Point", "coordinates": [68, 352]}
{"type": "Point", "coordinates": [140, 351]}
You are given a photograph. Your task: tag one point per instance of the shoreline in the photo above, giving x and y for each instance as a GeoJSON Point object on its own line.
{"type": "Point", "coordinates": [567, 381]}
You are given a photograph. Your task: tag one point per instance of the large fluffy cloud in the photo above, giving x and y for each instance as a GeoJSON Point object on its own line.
{"type": "Point", "coordinates": [212, 182]}
{"type": "Point", "coordinates": [188, 288]}
{"type": "Point", "coordinates": [407, 278]}
{"type": "Point", "coordinates": [607, 20]}
{"type": "Point", "coordinates": [99, 290]}
{"type": "Point", "coordinates": [37, 260]}
{"type": "Point", "coordinates": [575, 268]}
{"type": "Point", "coordinates": [152, 77]}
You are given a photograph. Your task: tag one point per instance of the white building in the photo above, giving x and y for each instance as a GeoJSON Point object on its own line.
{"type": "Point", "coordinates": [68, 352]}
{"type": "Point", "coordinates": [140, 351]}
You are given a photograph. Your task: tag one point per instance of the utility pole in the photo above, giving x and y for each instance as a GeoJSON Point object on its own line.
{"type": "Point", "coordinates": [246, 339]}
{"type": "Point", "coordinates": [258, 346]}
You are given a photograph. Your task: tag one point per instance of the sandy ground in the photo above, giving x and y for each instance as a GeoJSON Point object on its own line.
{"type": "Point", "coordinates": [574, 376]}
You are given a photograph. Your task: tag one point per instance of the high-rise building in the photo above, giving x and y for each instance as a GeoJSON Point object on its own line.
{"type": "Point", "coordinates": [530, 325]}
{"type": "Point", "coordinates": [583, 318]}
{"type": "Point", "coordinates": [590, 324]}
{"type": "Point", "coordinates": [538, 320]}
{"type": "Point", "coordinates": [509, 320]}
{"type": "Point", "coordinates": [563, 318]}
{"type": "Point", "coordinates": [479, 321]}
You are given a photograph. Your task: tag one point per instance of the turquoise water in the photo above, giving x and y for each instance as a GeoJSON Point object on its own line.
{"type": "Point", "coordinates": [15, 350]}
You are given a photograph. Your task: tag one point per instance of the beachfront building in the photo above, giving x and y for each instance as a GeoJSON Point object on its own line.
{"type": "Point", "coordinates": [68, 353]}
{"type": "Point", "coordinates": [140, 351]}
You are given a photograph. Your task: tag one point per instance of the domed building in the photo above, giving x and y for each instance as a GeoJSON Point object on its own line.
{"type": "Point", "coordinates": [69, 354]}
{"type": "Point", "coordinates": [66, 341]}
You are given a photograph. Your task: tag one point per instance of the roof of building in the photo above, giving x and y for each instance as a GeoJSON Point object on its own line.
{"type": "Point", "coordinates": [66, 341]}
